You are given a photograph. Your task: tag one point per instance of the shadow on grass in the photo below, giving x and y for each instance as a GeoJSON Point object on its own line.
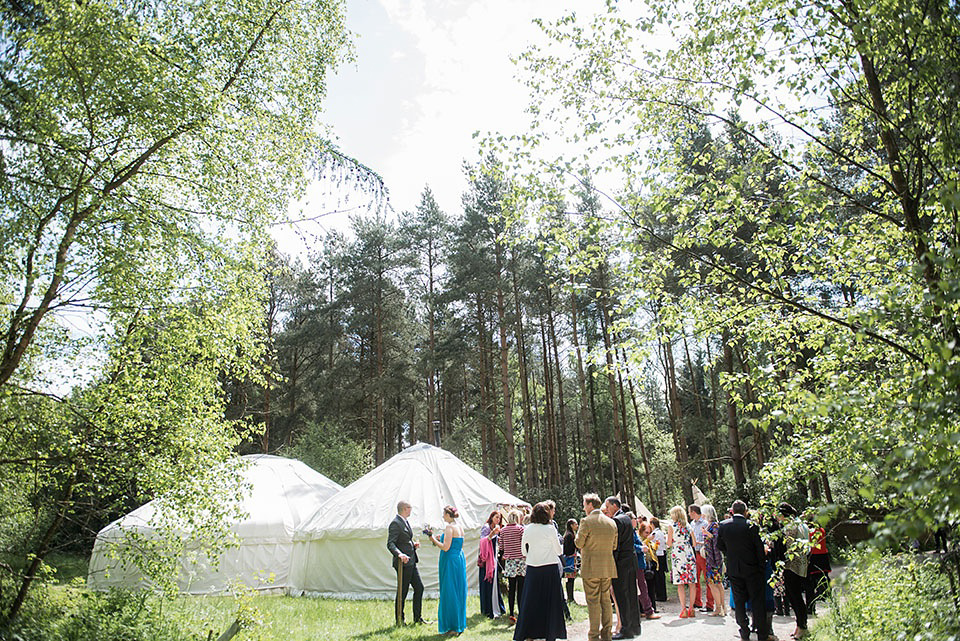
{"type": "Point", "coordinates": [478, 625]}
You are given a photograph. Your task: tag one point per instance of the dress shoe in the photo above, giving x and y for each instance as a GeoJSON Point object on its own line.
{"type": "Point", "coordinates": [653, 615]}
{"type": "Point", "coordinates": [621, 635]}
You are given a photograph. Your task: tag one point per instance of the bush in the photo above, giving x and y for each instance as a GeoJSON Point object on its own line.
{"type": "Point", "coordinates": [902, 597]}
{"type": "Point", "coordinates": [75, 614]}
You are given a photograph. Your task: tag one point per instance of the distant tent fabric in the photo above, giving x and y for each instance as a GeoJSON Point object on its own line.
{"type": "Point", "coordinates": [642, 510]}
{"type": "Point", "coordinates": [699, 498]}
{"type": "Point", "coordinates": [341, 550]}
{"type": "Point", "coordinates": [283, 493]}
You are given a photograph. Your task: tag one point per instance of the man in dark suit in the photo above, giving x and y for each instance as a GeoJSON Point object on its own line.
{"type": "Point", "coordinates": [740, 542]}
{"type": "Point", "coordinates": [404, 549]}
{"type": "Point", "coordinates": [625, 583]}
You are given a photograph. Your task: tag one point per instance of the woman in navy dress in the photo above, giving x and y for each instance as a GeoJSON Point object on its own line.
{"type": "Point", "coordinates": [452, 610]}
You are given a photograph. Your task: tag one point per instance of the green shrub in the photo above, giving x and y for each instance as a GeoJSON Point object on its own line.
{"type": "Point", "coordinates": [75, 614]}
{"type": "Point", "coordinates": [325, 448]}
{"type": "Point", "coordinates": [891, 597]}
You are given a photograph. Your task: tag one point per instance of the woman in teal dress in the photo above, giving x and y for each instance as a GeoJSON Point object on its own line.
{"type": "Point", "coordinates": [452, 611]}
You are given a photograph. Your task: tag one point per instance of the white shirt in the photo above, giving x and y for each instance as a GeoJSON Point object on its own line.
{"type": "Point", "coordinates": [541, 544]}
{"type": "Point", "coordinates": [661, 540]}
{"type": "Point", "coordinates": [697, 529]}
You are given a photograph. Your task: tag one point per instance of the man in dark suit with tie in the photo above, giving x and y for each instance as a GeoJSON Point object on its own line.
{"type": "Point", "coordinates": [740, 542]}
{"type": "Point", "coordinates": [625, 583]}
{"type": "Point", "coordinates": [404, 549]}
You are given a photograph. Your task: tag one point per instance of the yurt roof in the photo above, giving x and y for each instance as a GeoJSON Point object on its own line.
{"type": "Point", "coordinates": [280, 494]}
{"type": "Point", "coordinates": [425, 476]}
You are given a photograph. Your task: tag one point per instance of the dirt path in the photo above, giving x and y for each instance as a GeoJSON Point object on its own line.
{"type": "Point", "coordinates": [672, 628]}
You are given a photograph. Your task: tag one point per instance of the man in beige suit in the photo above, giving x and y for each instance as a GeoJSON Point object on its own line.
{"type": "Point", "coordinates": [597, 539]}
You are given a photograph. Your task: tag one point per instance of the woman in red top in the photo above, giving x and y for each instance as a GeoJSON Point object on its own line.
{"type": "Point", "coordinates": [818, 570]}
{"type": "Point", "coordinates": [514, 562]}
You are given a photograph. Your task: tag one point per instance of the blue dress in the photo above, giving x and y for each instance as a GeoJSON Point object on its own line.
{"type": "Point", "coordinates": [452, 611]}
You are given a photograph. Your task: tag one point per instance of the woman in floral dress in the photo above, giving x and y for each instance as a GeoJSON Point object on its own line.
{"type": "Point", "coordinates": [683, 564]}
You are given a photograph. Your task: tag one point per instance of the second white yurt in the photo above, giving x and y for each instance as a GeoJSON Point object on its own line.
{"type": "Point", "coordinates": [342, 551]}
{"type": "Point", "coordinates": [278, 496]}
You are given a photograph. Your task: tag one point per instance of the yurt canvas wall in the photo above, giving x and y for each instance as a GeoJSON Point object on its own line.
{"type": "Point", "coordinates": [283, 493]}
{"type": "Point", "coordinates": [342, 550]}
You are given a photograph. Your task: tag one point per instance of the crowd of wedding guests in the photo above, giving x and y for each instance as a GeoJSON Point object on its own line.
{"type": "Point", "coordinates": [762, 564]}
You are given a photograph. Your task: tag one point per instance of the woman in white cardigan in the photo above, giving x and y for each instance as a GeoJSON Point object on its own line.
{"type": "Point", "coordinates": [541, 605]}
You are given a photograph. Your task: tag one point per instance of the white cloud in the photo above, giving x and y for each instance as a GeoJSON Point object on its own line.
{"type": "Point", "coordinates": [428, 74]}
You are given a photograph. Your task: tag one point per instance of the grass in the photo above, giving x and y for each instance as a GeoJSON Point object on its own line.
{"type": "Point", "coordinates": [284, 618]}
{"type": "Point", "coordinates": [67, 567]}
{"type": "Point", "coordinates": [299, 619]}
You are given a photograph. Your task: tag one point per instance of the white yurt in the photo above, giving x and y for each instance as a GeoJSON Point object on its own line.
{"type": "Point", "coordinates": [279, 494]}
{"type": "Point", "coordinates": [342, 551]}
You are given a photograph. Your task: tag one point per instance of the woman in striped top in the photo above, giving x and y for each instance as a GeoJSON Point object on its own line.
{"type": "Point", "coordinates": [514, 563]}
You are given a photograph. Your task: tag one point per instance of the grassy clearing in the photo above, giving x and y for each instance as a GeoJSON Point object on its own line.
{"type": "Point", "coordinates": [283, 618]}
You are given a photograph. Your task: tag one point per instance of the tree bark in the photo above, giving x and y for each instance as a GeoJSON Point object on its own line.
{"type": "Point", "coordinates": [733, 428]}
{"type": "Point", "coordinates": [485, 444]}
{"type": "Point", "coordinates": [643, 448]}
{"type": "Point", "coordinates": [43, 547]}
{"type": "Point", "coordinates": [505, 374]}
{"type": "Point", "coordinates": [564, 477]}
{"type": "Point", "coordinates": [585, 415]}
{"type": "Point", "coordinates": [618, 455]}
{"type": "Point", "coordinates": [550, 447]}
{"type": "Point", "coordinates": [676, 414]}
{"type": "Point", "coordinates": [528, 449]}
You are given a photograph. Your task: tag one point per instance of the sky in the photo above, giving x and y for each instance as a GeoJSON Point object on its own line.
{"type": "Point", "coordinates": [428, 75]}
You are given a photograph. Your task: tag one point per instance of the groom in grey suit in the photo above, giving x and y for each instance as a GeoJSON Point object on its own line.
{"type": "Point", "coordinates": [404, 549]}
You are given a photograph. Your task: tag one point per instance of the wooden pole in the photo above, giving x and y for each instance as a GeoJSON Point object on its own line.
{"type": "Point", "coordinates": [399, 605]}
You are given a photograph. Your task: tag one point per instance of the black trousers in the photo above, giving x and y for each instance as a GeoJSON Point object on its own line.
{"type": "Point", "coordinates": [750, 589]}
{"type": "Point", "coordinates": [411, 576]}
{"type": "Point", "coordinates": [661, 578]}
{"type": "Point", "coordinates": [651, 588]}
{"type": "Point", "coordinates": [514, 591]}
{"type": "Point", "coordinates": [793, 585]}
{"type": "Point", "coordinates": [625, 590]}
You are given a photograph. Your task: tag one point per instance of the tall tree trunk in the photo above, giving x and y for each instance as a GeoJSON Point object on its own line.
{"type": "Point", "coordinates": [827, 492]}
{"type": "Point", "coordinates": [505, 374]}
{"type": "Point", "coordinates": [586, 421]}
{"type": "Point", "coordinates": [676, 414]}
{"type": "Point", "coordinates": [696, 396]}
{"type": "Point", "coordinates": [381, 427]}
{"type": "Point", "coordinates": [485, 444]}
{"type": "Point", "coordinates": [432, 347]}
{"type": "Point", "coordinates": [643, 449]}
{"type": "Point", "coordinates": [564, 477]}
{"type": "Point", "coordinates": [617, 453]}
{"type": "Point", "coordinates": [625, 444]}
{"type": "Point", "coordinates": [759, 437]}
{"type": "Point", "coordinates": [550, 446]}
{"type": "Point", "coordinates": [528, 449]}
{"type": "Point", "coordinates": [733, 427]}
{"type": "Point", "coordinates": [713, 404]}
{"type": "Point", "coordinates": [41, 550]}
